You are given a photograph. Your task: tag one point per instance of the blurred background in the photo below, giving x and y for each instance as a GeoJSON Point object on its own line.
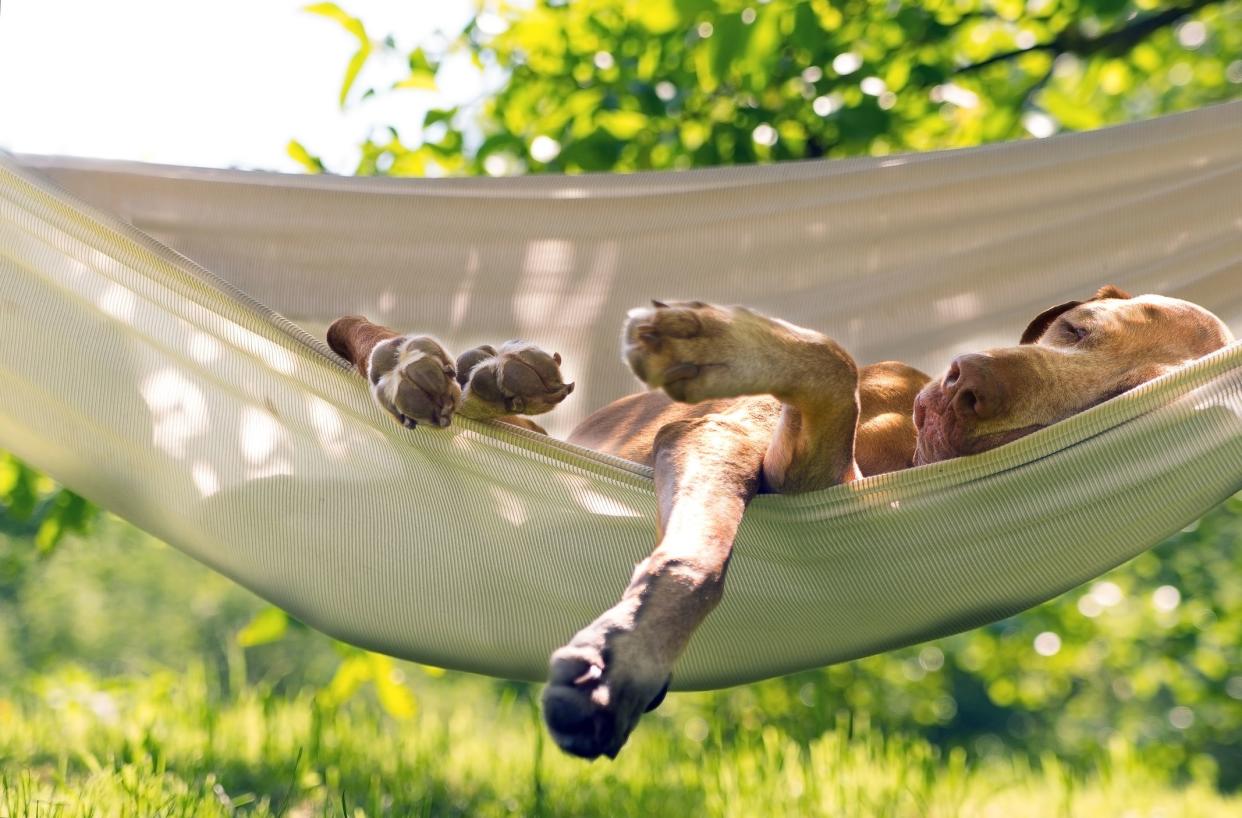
{"type": "Point", "coordinates": [117, 653]}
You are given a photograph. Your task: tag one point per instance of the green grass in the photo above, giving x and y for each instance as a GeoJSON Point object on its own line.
{"type": "Point", "coordinates": [124, 692]}
{"type": "Point", "coordinates": [164, 746]}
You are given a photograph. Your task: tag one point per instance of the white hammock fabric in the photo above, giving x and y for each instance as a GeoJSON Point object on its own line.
{"type": "Point", "coordinates": [166, 395]}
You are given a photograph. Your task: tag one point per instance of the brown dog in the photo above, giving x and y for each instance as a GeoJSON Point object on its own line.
{"type": "Point", "coordinates": [753, 404]}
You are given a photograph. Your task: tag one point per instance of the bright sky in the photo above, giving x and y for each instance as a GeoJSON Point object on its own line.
{"type": "Point", "coordinates": [217, 83]}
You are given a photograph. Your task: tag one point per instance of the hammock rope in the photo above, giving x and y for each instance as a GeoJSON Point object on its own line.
{"type": "Point", "coordinates": [171, 397]}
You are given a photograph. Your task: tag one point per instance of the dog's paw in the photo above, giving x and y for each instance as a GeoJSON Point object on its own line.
{"type": "Point", "coordinates": [687, 348]}
{"type": "Point", "coordinates": [413, 379]}
{"type": "Point", "coordinates": [517, 379]}
{"type": "Point", "coordinates": [599, 686]}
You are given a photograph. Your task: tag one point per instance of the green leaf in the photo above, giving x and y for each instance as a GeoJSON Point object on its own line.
{"type": "Point", "coordinates": [435, 115]}
{"type": "Point", "coordinates": [422, 72]}
{"type": "Point", "coordinates": [334, 12]}
{"type": "Point", "coordinates": [764, 40]}
{"type": "Point", "coordinates": [409, 163]}
{"type": "Point", "coordinates": [49, 533]}
{"type": "Point", "coordinates": [303, 157]}
{"type": "Point", "coordinates": [622, 124]}
{"type": "Point", "coordinates": [10, 473]}
{"type": "Point", "coordinates": [63, 512]}
{"type": "Point", "coordinates": [726, 43]}
{"type": "Point", "coordinates": [705, 68]}
{"type": "Point", "coordinates": [500, 143]}
{"type": "Point", "coordinates": [351, 71]}
{"type": "Point", "coordinates": [268, 625]}
{"type": "Point", "coordinates": [898, 75]}
{"type": "Point", "coordinates": [355, 27]}
{"type": "Point", "coordinates": [420, 81]}
{"type": "Point", "coordinates": [419, 62]}
{"type": "Point", "coordinates": [396, 699]}
{"type": "Point", "coordinates": [351, 674]}
{"type": "Point", "coordinates": [657, 16]}
{"type": "Point", "coordinates": [19, 490]}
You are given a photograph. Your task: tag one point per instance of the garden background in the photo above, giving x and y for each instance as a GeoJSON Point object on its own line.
{"type": "Point", "coordinates": [133, 681]}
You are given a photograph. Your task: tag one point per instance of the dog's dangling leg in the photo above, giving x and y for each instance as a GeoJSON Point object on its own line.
{"type": "Point", "coordinates": [618, 667]}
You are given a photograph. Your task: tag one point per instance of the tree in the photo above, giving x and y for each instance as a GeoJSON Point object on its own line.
{"type": "Point", "coordinates": [622, 85]}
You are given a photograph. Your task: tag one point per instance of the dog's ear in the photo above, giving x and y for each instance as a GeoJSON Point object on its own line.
{"type": "Point", "coordinates": [1040, 325]}
{"type": "Point", "coordinates": [1110, 291]}
{"type": "Point", "coordinates": [1044, 320]}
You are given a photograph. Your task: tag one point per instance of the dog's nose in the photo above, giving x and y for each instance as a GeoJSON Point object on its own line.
{"type": "Point", "coordinates": [972, 387]}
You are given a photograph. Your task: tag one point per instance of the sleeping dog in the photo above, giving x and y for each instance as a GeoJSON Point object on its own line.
{"type": "Point", "coordinates": [741, 403]}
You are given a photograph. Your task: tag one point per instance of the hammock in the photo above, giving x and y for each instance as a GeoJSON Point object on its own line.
{"type": "Point", "coordinates": [165, 394]}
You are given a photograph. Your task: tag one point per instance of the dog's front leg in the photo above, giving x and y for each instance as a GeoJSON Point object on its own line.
{"type": "Point", "coordinates": [618, 667]}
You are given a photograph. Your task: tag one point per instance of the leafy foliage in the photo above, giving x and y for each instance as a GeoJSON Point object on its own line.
{"type": "Point", "coordinates": [355, 27]}
{"type": "Point", "coordinates": [620, 85]}
{"type": "Point", "coordinates": [1148, 656]}
{"type": "Point", "coordinates": [33, 505]}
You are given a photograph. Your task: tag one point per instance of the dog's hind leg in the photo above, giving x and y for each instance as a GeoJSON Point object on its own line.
{"type": "Point", "coordinates": [696, 352]}
{"type": "Point", "coordinates": [618, 667]}
{"type": "Point", "coordinates": [517, 379]}
{"type": "Point", "coordinates": [414, 380]}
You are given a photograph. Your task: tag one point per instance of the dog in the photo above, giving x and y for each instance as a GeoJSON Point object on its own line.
{"type": "Point", "coordinates": [741, 403]}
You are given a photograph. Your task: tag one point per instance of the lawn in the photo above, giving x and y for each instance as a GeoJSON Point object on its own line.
{"type": "Point", "coordinates": [125, 691]}
{"type": "Point", "coordinates": [162, 746]}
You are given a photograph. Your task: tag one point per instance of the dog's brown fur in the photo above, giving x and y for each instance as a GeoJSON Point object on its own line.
{"type": "Point", "coordinates": [749, 404]}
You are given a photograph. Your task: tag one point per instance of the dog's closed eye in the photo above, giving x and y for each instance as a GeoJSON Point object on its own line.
{"type": "Point", "coordinates": [1074, 333]}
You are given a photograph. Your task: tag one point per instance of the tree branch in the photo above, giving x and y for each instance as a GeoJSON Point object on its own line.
{"type": "Point", "coordinates": [1121, 40]}
{"type": "Point", "coordinates": [1006, 55]}
{"type": "Point", "coordinates": [1117, 41]}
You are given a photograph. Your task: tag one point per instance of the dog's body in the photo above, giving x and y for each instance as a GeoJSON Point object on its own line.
{"type": "Point", "coordinates": [748, 404]}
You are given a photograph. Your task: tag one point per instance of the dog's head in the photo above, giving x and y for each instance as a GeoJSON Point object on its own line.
{"type": "Point", "coordinates": [1071, 357]}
